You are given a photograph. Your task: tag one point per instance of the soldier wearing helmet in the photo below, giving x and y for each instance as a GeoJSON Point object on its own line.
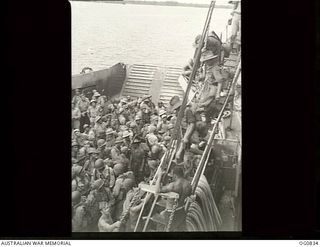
{"type": "Point", "coordinates": [103, 171]}
{"type": "Point", "coordinates": [126, 138]}
{"type": "Point", "coordinates": [81, 179]}
{"type": "Point", "coordinates": [115, 151]}
{"type": "Point", "coordinates": [124, 182]}
{"type": "Point", "coordinates": [79, 220]}
{"type": "Point", "coordinates": [100, 128]}
{"type": "Point", "coordinates": [151, 138]}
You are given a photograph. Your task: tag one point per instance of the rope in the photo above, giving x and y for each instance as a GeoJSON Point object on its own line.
{"type": "Point", "coordinates": [125, 214]}
{"type": "Point", "coordinates": [171, 216]}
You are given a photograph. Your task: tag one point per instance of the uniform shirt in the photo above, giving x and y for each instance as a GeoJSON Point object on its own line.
{"type": "Point", "coordinates": [83, 105]}
{"type": "Point", "coordinates": [76, 114]}
{"type": "Point", "coordinates": [93, 111]}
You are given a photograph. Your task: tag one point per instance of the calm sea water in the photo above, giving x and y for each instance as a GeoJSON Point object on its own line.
{"type": "Point", "coordinates": [104, 34]}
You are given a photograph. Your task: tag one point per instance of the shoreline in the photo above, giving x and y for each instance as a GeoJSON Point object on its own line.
{"type": "Point", "coordinates": [167, 3]}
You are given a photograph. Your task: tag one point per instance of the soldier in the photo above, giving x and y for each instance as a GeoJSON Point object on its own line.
{"type": "Point", "coordinates": [115, 151]}
{"type": "Point", "coordinates": [103, 171]}
{"type": "Point", "coordinates": [92, 112]}
{"type": "Point", "coordinates": [163, 120]}
{"type": "Point", "coordinates": [124, 182]}
{"type": "Point", "coordinates": [181, 186]}
{"type": "Point", "coordinates": [76, 114]}
{"type": "Point", "coordinates": [76, 98]}
{"type": "Point", "coordinates": [151, 137]}
{"type": "Point", "coordinates": [137, 160]}
{"type": "Point", "coordinates": [126, 138]}
{"type": "Point", "coordinates": [79, 221]}
{"type": "Point", "coordinates": [100, 128]}
{"type": "Point", "coordinates": [75, 150]}
{"type": "Point", "coordinates": [187, 125]}
{"type": "Point", "coordinates": [83, 105]}
{"type": "Point", "coordinates": [82, 180]}
{"type": "Point", "coordinates": [110, 137]}
{"type": "Point", "coordinates": [105, 223]}
{"type": "Point", "coordinates": [135, 209]}
{"type": "Point", "coordinates": [101, 199]}
{"type": "Point", "coordinates": [93, 156]}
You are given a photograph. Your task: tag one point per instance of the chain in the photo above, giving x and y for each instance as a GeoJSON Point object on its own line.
{"type": "Point", "coordinates": [171, 216]}
{"type": "Point", "coordinates": [125, 214]}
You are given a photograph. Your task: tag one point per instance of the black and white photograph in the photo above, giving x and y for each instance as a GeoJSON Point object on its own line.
{"type": "Point", "coordinates": [156, 116]}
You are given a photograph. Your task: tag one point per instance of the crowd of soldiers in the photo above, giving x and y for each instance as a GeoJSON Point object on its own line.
{"type": "Point", "coordinates": [118, 143]}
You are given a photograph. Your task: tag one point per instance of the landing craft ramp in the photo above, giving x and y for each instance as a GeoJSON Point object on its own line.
{"type": "Point", "coordinates": [160, 82]}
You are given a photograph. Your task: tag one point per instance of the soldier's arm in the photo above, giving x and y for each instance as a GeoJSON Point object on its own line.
{"type": "Point", "coordinates": [167, 188]}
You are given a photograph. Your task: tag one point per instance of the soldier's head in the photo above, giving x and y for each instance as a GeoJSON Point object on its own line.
{"type": "Point", "coordinates": [75, 146]}
{"type": "Point", "coordinates": [105, 210]}
{"type": "Point", "coordinates": [76, 197]}
{"type": "Point", "coordinates": [126, 135]}
{"type": "Point", "coordinates": [99, 164]}
{"type": "Point", "coordinates": [118, 141]}
{"type": "Point", "coordinates": [76, 132]}
{"type": "Point", "coordinates": [124, 150]}
{"type": "Point", "coordinates": [118, 169]}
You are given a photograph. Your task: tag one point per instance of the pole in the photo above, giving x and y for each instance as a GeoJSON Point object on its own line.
{"type": "Point", "coordinates": [193, 73]}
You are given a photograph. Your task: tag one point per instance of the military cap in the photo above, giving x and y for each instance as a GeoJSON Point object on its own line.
{"type": "Point", "coordinates": [126, 134]}
{"type": "Point", "coordinates": [110, 131]}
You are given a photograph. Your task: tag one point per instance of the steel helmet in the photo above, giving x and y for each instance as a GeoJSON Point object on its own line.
{"type": "Point", "coordinates": [99, 164]}
{"type": "Point", "coordinates": [76, 197]}
{"type": "Point", "coordinates": [101, 143]}
{"type": "Point", "coordinates": [118, 169]}
{"type": "Point", "coordinates": [128, 183]}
